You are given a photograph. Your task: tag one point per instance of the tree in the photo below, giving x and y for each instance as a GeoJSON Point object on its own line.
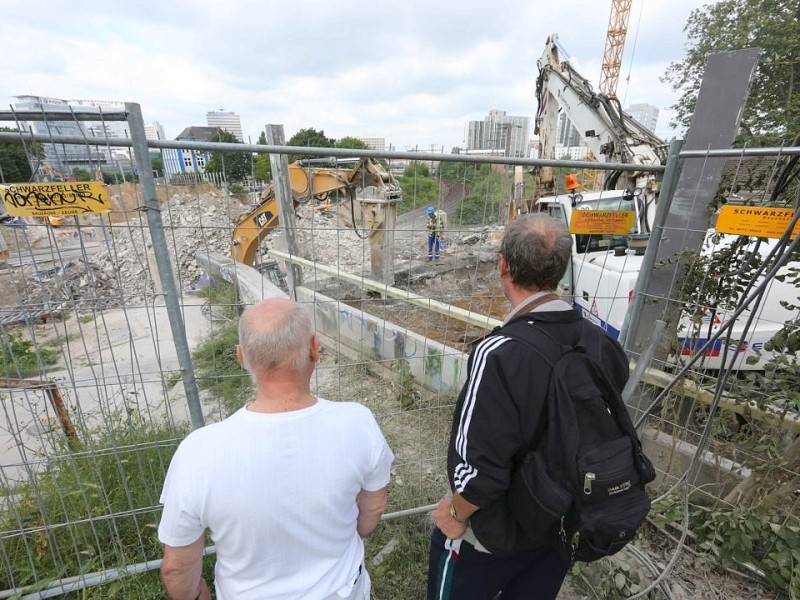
{"type": "Point", "coordinates": [235, 166]}
{"type": "Point", "coordinates": [16, 159]}
{"type": "Point", "coordinates": [772, 112]}
{"type": "Point", "coordinates": [309, 137]}
{"type": "Point", "coordinates": [157, 163]}
{"type": "Point", "coordinates": [82, 174]}
{"type": "Point", "coordinates": [418, 191]}
{"type": "Point", "coordinates": [417, 168]}
{"type": "Point", "coordinates": [352, 143]}
{"type": "Point", "coordinates": [262, 169]}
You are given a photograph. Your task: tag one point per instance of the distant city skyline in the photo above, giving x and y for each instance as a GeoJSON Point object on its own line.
{"type": "Point", "coordinates": [499, 130]}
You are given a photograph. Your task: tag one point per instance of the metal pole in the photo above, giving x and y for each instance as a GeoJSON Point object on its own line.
{"type": "Point", "coordinates": [156, 227]}
{"type": "Point", "coordinates": [630, 324]}
{"type": "Point", "coordinates": [283, 191]}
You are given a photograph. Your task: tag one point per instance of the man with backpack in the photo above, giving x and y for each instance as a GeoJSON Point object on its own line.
{"type": "Point", "coordinates": [543, 461]}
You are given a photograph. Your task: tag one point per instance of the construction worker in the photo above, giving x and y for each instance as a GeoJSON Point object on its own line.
{"type": "Point", "coordinates": [435, 227]}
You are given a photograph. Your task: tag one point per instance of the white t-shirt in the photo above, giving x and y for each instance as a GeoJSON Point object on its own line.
{"type": "Point", "coordinates": [278, 493]}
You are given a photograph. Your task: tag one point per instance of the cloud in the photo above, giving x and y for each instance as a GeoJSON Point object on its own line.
{"type": "Point", "coordinates": [414, 72]}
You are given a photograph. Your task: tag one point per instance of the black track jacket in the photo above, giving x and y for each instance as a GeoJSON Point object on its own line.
{"type": "Point", "coordinates": [499, 412]}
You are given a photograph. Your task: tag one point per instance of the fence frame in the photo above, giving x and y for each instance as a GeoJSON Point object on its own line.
{"type": "Point", "coordinates": [140, 146]}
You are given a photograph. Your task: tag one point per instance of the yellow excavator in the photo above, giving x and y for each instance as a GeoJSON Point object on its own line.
{"type": "Point", "coordinates": [321, 181]}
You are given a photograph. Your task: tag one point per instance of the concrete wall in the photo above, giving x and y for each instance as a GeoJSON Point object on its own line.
{"type": "Point", "coordinates": [432, 364]}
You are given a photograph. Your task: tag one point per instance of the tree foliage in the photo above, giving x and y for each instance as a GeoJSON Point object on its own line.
{"type": "Point", "coordinates": [262, 169]}
{"type": "Point", "coordinates": [157, 163]}
{"type": "Point", "coordinates": [235, 166]}
{"type": "Point", "coordinates": [349, 141]}
{"type": "Point", "coordinates": [772, 112]}
{"type": "Point", "coordinates": [15, 164]}
{"type": "Point", "coordinates": [419, 188]}
{"type": "Point", "coordinates": [487, 194]}
{"type": "Point", "coordinates": [418, 169]}
{"type": "Point", "coordinates": [312, 138]}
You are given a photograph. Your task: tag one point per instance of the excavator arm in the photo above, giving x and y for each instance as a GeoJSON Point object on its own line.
{"type": "Point", "coordinates": [310, 180]}
{"type": "Point", "coordinates": [600, 120]}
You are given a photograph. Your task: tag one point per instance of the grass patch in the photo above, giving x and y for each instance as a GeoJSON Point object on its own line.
{"type": "Point", "coordinates": [216, 366]}
{"type": "Point", "coordinates": [21, 358]}
{"type": "Point", "coordinates": [217, 369]}
{"type": "Point", "coordinates": [224, 297]}
{"type": "Point", "coordinates": [171, 379]}
{"type": "Point", "coordinates": [100, 509]}
{"type": "Point", "coordinates": [403, 570]}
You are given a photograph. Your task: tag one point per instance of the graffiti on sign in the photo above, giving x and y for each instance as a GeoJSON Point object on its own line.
{"type": "Point", "coordinates": [55, 199]}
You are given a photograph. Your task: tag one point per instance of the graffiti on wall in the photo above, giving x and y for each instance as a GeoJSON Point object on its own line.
{"type": "Point", "coordinates": [432, 364]}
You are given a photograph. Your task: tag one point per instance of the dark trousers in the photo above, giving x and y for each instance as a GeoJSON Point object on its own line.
{"type": "Point", "coordinates": [433, 246]}
{"type": "Point", "coordinates": [472, 575]}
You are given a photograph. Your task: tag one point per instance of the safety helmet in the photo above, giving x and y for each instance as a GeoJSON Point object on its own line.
{"type": "Point", "coordinates": [430, 210]}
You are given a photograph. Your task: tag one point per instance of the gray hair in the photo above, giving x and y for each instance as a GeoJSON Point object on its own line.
{"type": "Point", "coordinates": [537, 249]}
{"type": "Point", "coordinates": [287, 344]}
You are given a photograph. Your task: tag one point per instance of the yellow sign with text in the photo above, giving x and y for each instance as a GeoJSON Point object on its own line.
{"type": "Point", "coordinates": [756, 221]}
{"type": "Point", "coordinates": [55, 199]}
{"type": "Point", "coordinates": [602, 222]}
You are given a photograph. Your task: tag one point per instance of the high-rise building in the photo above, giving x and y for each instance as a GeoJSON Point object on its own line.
{"type": "Point", "coordinates": [646, 114]}
{"type": "Point", "coordinates": [567, 134]}
{"type": "Point", "coordinates": [500, 132]}
{"type": "Point", "coordinates": [62, 158]}
{"type": "Point", "coordinates": [227, 121]}
{"type": "Point", "coordinates": [154, 131]}
{"type": "Point", "coordinates": [373, 142]}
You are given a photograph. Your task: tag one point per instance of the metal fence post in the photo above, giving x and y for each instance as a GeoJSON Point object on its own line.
{"type": "Point", "coordinates": [283, 192]}
{"type": "Point", "coordinates": [156, 227]}
{"type": "Point", "coordinates": [630, 324]}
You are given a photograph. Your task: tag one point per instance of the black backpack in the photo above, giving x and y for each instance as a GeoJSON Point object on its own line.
{"type": "Point", "coordinates": [581, 487]}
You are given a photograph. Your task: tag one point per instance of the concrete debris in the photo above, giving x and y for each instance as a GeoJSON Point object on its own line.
{"type": "Point", "coordinates": [75, 286]}
{"type": "Point", "coordinates": [193, 223]}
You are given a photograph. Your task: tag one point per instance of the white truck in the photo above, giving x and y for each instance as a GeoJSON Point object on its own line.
{"type": "Point", "coordinates": [604, 268]}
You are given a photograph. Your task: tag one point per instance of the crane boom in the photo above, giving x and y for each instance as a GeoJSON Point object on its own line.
{"type": "Point", "coordinates": [615, 44]}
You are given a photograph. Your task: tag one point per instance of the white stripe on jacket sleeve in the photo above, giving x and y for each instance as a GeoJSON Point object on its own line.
{"type": "Point", "coordinates": [465, 471]}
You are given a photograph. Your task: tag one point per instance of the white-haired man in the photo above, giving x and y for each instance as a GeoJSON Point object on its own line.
{"type": "Point", "coordinates": [288, 486]}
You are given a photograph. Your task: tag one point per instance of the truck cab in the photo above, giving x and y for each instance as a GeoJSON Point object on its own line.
{"type": "Point", "coordinates": [601, 277]}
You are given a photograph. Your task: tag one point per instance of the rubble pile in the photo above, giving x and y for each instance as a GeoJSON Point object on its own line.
{"type": "Point", "coordinates": [192, 223]}
{"type": "Point", "coordinates": [325, 237]}
{"type": "Point", "coordinates": [76, 285]}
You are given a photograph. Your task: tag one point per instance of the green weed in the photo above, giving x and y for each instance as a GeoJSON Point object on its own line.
{"type": "Point", "coordinates": [223, 296]}
{"type": "Point", "coordinates": [19, 357]}
{"type": "Point", "coordinates": [89, 511]}
{"type": "Point", "coordinates": [218, 370]}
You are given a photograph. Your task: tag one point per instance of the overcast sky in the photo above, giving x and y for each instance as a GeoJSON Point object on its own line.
{"type": "Point", "coordinates": [411, 71]}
